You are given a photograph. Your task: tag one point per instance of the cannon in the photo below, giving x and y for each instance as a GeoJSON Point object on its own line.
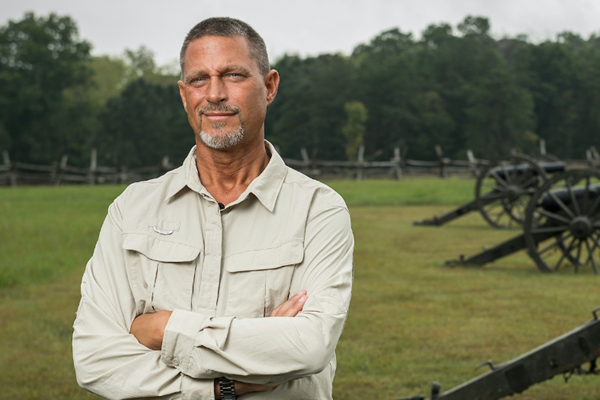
{"type": "Point", "coordinates": [565, 354]}
{"type": "Point", "coordinates": [561, 227]}
{"type": "Point", "coordinates": [503, 190]}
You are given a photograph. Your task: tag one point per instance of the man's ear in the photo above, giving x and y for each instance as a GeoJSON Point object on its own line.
{"type": "Point", "coordinates": [272, 84]}
{"type": "Point", "coordinates": [182, 94]}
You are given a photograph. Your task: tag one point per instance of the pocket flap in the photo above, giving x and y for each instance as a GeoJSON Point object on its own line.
{"type": "Point", "coordinates": [289, 253]}
{"type": "Point", "coordinates": [160, 250]}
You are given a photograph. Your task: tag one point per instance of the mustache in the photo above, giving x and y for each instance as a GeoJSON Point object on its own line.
{"type": "Point", "coordinates": [219, 108]}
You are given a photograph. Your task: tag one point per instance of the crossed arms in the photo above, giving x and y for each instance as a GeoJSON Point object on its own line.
{"type": "Point", "coordinates": [113, 352]}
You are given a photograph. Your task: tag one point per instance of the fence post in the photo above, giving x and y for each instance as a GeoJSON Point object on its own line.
{"type": "Point", "coordinates": [11, 174]}
{"type": "Point", "coordinates": [93, 167]}
{"type": "Point", "coordinates": [60, 167]}
{"type": "Point", "coordinates": [542, 147]}
{"type": "Point", "coordinates": [361, 160]}
{"type": "Point", "coordinates": [440, 154]}
{"type": "Point", "coordinates": [397, 159]}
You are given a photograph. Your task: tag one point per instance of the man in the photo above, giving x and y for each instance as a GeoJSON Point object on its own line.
{"type": "Point", "coordinates": [191, 271]}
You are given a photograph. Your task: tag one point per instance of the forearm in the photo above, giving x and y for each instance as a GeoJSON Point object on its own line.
{"type": "Point", "coordinates": [273, 350]}
{"type": "Point", "coordinates": [262, 351]}
{"type": "Point", "coordinates": [108, 360]}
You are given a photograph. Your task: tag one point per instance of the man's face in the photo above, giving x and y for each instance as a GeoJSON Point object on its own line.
{"type": "Point", "coordinates": [224, 93]}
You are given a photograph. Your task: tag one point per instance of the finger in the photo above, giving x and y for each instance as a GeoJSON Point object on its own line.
{"type": "Point", "coordinates": [286, 306]}
{"type": "Point", "coordinates": [282, 308]}
{"type": "Point", "coordinates": [292, 307]}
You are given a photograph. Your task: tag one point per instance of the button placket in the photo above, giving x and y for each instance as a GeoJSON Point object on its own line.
{"type": "Point", "coordinates": [211, 270]}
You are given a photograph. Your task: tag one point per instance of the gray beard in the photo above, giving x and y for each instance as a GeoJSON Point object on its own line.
{"type": "Point", "coordinates": [222, 140]}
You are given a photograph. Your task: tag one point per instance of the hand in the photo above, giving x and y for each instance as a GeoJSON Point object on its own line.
{"type": "Point", "coordinates": [292, 307]}
{"type": "Point", "coordinates": [149, 329]}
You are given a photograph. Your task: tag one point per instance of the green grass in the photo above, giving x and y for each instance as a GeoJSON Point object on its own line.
{"type": "Point", "coordinates": [412, 320]}
{"type": "Point", "coordinates": [409, 191]}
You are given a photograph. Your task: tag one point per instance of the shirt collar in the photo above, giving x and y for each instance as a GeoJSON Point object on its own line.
{"type": "Point", "coordinates": [265, 187]}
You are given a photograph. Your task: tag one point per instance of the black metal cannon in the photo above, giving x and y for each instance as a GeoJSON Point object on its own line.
{"type": "Point", "coordinates": [503, 190]}
{"type": "Point", "coordinates": [564, 355]}
{"type": "Point", "coordinates": [561, 225]}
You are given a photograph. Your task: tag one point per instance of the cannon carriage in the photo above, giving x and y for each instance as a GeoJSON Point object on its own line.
{"type": "Point", "coordinates": [561, 226]}
{"type": "Point", "coordinates": [503, 190]}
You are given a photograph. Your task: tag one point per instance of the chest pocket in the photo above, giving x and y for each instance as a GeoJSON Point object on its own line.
{"type": "Point", "coordinates": [260, 280]}
{"type": "Point", "coordinates": [162, 272]}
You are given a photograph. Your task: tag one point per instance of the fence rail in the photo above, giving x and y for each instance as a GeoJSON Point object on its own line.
{"type": "Point", "coordinates": [17, 173]}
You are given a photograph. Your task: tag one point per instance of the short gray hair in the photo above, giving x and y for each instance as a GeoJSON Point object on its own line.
{"type": "Point", "coordinates": [229, 27]}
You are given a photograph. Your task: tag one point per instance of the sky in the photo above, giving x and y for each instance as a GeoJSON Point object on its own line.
{"type": "Point", "coordinates": [303, 27]}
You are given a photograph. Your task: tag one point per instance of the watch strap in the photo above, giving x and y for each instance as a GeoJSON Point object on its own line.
{"type": "Point", "coordinates": [227, 388]}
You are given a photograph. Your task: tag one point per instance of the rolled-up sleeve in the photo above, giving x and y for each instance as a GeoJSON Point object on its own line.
{"type": "Point", "coordinates": [273, 350]}
{"type": "Point", "coordinates": [109, 361]}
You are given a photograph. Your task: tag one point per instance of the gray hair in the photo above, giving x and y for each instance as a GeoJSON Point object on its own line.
{"type": "Point", "coordinates": [229, 27]}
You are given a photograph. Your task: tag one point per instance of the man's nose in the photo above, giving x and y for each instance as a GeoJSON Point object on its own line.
{"type": "Point", "coordinates": [216, 91]}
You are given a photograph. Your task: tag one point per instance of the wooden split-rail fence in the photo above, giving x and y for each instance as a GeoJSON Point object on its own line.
{"type": "Point", "coordinates": [18, 173]}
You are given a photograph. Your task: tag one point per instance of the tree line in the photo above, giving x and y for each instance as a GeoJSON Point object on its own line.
{"type": "Point", "coordinates": [457, 87]}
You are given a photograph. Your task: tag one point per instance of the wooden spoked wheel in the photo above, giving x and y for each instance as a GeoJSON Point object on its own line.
{"type": "Point", "coordinates": [562, 222]}
{"type": "Point", "coordinates": [504, 188]}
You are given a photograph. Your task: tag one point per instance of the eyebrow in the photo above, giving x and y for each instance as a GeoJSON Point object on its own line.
{"type": "Point", "coordinates": [230, 68]}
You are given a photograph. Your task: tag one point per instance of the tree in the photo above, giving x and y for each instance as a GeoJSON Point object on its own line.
{"type": "Point", "coordinates": [354, 129]}
{"type": "Point", "coordinates": [143, 124]}
{"type": "Point", "coordinates": [309, 108]}
{"type": "Point", "coordinates": [43, 68]}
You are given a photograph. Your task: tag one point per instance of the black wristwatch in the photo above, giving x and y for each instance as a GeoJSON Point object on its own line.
{"type": "Point", "coordinates": [227, 389]}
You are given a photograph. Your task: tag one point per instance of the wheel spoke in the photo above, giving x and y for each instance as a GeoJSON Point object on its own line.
{"type": "Point", "coordinates": [555, 243]}
{"type": "Point", "coordinates": [573, 199]}
{"type": "Point", "coordinates": [591, 256]}
{"type": "Point", "coordinates": [550, 229]}
{"type": "Point", "coordinates": [493, 186]}
{"type": "Point", "coordinates": [593, 207]}
{"type": "Point", "coordinates": [529, 182]}
{"type": "Point", "coordinates": [586, 195]}
{"type": "Point", "coordinates": [507, 174]}
{"type": "Point", "coordinates": [552, 215]}
{"type": "Point", "coordinates": [493, 196]}
{"type": "Point", "coordinates": [561, 204]}
{"type": "Point", "coordinates": [576, 262]}
{"type": "Point", "coordinates": [596, 243]}
{"type": "Point", "coordinates": [498, 178]}
{"type": "Point", "coordinates": [500, 214]}
{"type": "Point", "coordinates": [564, 254]}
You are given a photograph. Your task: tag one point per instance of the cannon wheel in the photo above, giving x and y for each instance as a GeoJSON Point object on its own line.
{"type": "Point", "coordinates": [574, 226]}
{"type": "Point", "coordinates": [502, 193]}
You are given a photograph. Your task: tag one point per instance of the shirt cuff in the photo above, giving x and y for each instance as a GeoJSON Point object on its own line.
{"type": "Point", "coordinates": [197, 389]}
{"type": "Point", "coordinates": [179, 338]}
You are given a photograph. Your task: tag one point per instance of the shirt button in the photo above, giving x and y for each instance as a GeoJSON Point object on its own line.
{"type": "Point", "coordinates": [175, 362]}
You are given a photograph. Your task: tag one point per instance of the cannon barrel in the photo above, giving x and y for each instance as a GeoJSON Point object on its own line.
{"type": "Point", "coordinates": [550, 200]}
{"type": "Point", "coordinates": [548, 167]}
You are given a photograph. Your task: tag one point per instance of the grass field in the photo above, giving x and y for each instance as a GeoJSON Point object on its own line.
{"type": "Point", "coordinates": [412, 320]}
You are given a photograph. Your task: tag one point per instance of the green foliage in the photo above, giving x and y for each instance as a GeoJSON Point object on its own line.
{"type": "Point", "coordinates": [43, 73]}
{"type": "Point", "coordinates": [459, 88]}
{"type": "Point", "coordinates": [143, 124]}
{"type": "Point", "coordinates": [309, 109]}
{"type": "Point", "coordinates": [354, 129]}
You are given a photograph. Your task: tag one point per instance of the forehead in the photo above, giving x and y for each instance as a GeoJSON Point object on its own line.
{"type": "Point", "coordinates": [217, 52]}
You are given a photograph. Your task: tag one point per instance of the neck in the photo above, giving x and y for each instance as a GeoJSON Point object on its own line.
{"type": "Point", "coordinates": [227, 173]}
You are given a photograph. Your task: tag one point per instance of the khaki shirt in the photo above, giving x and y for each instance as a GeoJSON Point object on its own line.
{"type": "Point", "coordinates": [166, 245]}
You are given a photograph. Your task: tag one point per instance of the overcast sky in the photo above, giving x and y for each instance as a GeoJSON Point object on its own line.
{"type": "Point", "coordinates": [305, 27]}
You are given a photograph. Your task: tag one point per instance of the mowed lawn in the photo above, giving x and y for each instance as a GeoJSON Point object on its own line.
{"type": "Point", "coordinates": [412, 319]}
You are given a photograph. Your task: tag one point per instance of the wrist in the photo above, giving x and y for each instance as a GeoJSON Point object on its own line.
{"type": "Point", "coordinates": [227, 389]}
